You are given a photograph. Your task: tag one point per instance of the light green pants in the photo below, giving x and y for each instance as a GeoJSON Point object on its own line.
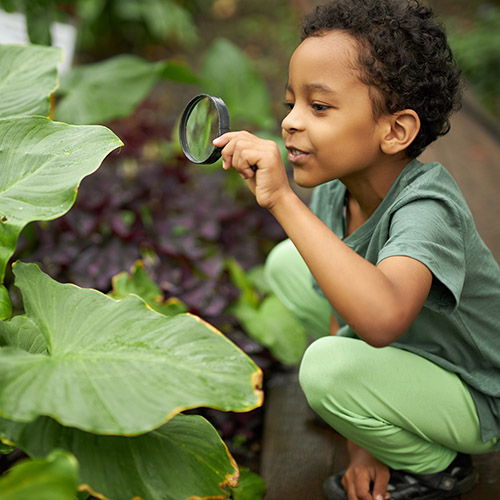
{"type": "Point", "coordinates": [406, 411]}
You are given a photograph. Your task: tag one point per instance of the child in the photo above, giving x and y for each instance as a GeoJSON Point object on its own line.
{"type": "Point", "coordinates": [412, 376]}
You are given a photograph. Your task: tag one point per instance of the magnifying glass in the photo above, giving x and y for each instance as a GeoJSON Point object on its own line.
{"type": "Point", "coordinates": [204, 118]}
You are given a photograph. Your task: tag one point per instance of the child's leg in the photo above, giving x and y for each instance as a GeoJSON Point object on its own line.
{"type": "Point", "coordinates": [290, 279]}
{"type": "Point", "coordinates": [406, 411]}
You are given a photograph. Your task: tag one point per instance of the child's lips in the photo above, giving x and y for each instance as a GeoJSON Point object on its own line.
{"type": "Point", "coordinates": [296, 155]}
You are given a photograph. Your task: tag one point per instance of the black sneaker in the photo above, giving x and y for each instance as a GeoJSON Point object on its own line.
{"type": "Point", "coordinates": [456, 479]}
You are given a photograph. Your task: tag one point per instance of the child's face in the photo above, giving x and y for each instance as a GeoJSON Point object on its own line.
{"type": "Point", "coordinates": [330, 130]}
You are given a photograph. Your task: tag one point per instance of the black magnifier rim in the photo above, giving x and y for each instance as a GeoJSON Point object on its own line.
{"type": "Point", "coordinates": [223, 127]}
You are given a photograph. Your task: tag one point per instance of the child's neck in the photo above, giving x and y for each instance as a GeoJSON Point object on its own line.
{"type": "Point", "coordinates": [366, 192]}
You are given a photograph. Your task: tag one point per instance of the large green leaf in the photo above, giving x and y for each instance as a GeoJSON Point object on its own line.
{"type": "Point", "coordinates": [24, 336]}
{"type": "Point", "coordinates": [115, 367]}
{"type": "Point", "coordinates": [184, 458]}
{"type": "Point", "coordinates": [227, 72]}
{"type": "Point", "coordinates": [41, 165]}
{"type": "Point", "coordinates": [97, 93]}
{"type": "Point", "coordinates": [28, 75]}
{"type": "Point", "coordinates": [53, 478]}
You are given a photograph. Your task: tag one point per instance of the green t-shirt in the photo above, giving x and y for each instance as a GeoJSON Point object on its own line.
{"type": "Point", "coordinates": [425, 216]}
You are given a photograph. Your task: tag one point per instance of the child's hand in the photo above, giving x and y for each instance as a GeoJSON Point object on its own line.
{"type": "Point", "coordinates": [365, 473]}
{"type": "Point", "coordinates": [258, 161]}
{"type": "Point", "coordinates": [358, 482]}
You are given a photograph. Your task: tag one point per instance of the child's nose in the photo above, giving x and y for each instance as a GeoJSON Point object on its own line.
{"type": "Point", "coordinates": [292, 121]}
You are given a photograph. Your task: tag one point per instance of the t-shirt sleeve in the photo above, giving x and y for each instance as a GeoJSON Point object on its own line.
{"type": "Point", "coordinates": [430, 231]}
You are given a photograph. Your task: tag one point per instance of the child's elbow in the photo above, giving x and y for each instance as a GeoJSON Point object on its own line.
{"type": "Point", "coordinates": [384, 331]}
{"type": "Point", "coordinates": [379, 342]}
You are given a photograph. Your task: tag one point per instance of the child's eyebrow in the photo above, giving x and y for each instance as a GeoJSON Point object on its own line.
{"type": "Point", "coordinates": [314, 87]}
{"type": "Point", "coordinates": [319, 87]}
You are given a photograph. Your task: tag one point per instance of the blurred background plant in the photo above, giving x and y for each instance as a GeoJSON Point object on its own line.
{"type": "Point", "coordinates": [474, 35]}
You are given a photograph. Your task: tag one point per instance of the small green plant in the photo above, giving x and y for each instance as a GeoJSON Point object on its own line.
{"type": "Point", "coordinates": [51, 478]}
{"type": "Point", "coordinates": [264, 317]}
{"type": "Point", "coordinates": [103, 379]}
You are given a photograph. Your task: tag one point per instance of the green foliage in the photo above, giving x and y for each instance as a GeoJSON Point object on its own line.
{"type": "Point", "coordinates": [139, 283]}
{"type": "Point", "coordinates": [103, 368]}
{"type": "Point", "coordinates": [182, 459]}
{"type": "Point", "coordinates": [8, 5]}
{"type": "Point", "coordinates": [118, 354]}
{"type": "Point", "coordinates": [477, 50]}
{"type": "Point", "coordinates": [39, 18]}
{"type": "Point", "coordinates": [53, 478]}
{"type": "Point", "coordinates": [43, 162]}
{"type": "Point", "coordinates": [5, 303]}
{"type": "Point", "coordinates": [228, 73]}
{"type": "Point", "coordinates": [161, 20]}
{"type": "Point", "coordinates": [266, 319]}
{"type": "Point", "coordinates": [27, 78]}
{"type": "Point", "coordinates": [250, 487]}
{"type": "Point", "coordinates": [5, 449]}
{"type": "Point", "coordinates": [100, 92]}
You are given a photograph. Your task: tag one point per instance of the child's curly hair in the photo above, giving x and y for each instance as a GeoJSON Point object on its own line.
{"type": "Point", "coordinates": [403, 53]}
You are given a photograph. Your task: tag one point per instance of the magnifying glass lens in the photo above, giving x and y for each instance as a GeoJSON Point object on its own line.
{"type": "Point", "coordinates": [202, 128]}
{"type": "Point", "coordinates": [204, 118]}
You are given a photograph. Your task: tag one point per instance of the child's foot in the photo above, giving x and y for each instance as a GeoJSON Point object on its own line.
{"type": "Point", "coordinates": [456, 479]}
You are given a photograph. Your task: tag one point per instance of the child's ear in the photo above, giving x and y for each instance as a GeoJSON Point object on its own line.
{"type": "Point", "coordinates": [400, 130]}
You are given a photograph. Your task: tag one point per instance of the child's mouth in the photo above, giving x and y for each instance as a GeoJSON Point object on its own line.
{"type": "Point", "coordinates": [296, 155]}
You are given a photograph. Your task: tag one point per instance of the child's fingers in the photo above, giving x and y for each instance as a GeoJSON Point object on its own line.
{"type": "Point", "coordinates": [245, 155]}
{"type": "Point", "coordinates": [241, 151]}
{"type": "Point", "coordinates": [223, 139]}
{"type": "Point", "coordinates": [224, 142]}
{"type": "Point", "coordinates": [380, 485]}
{"type": "Point", "coordinates": [357, 485]}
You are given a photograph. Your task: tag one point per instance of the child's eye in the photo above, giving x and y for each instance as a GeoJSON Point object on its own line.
{"type": "Point", "coordinates": [320, 107]}
{"type": "Point", "coordinates": [288, 106]}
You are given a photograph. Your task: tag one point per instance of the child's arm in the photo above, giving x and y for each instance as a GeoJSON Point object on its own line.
{"type": "Point", "coordinates": [378, 302]}
{"type": "Point", "coordinates": [334, 325]}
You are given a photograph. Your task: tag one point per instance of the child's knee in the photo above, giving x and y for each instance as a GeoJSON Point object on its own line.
{"type": "Point", "coordinates": [310, 373]}
{"type": "Point", "coordinates": [329, 370]}
{"type": "Point", "coordinates": [317, 370]}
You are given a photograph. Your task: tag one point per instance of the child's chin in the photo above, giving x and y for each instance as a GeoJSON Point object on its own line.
{"type": "Point", "coordinates": [302, 180]}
